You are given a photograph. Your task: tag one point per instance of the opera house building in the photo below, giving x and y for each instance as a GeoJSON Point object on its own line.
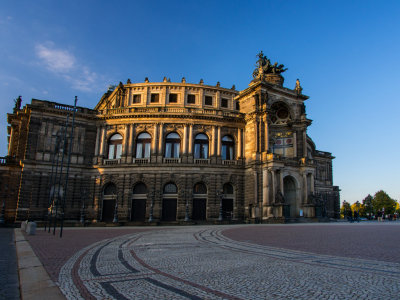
{"type": "Point", "coordinates": [170, 152]}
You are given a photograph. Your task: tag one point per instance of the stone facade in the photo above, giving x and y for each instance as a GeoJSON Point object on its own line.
{"type": "Point", "coordinates": [171, 152]}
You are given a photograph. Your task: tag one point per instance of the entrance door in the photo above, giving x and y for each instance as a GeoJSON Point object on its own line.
{"type": "Point", "coordinates": [138, 210]}
{"type": "Point", "coordinates": [108, 210]}
{"type": "Point", "coordinates": [227, 208]}
{"type": "Point", "coordinates": [169, 209]}
{"type": "Point", "coordinates": [289, 187]}
{"type": "Point", "coordinates": [199, 209]}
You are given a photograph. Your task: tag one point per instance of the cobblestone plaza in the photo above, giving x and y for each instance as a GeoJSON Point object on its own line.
{"type": "Point", "coordinates": [321, 261]}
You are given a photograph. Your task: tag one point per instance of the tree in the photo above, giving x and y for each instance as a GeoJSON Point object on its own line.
{"type": "Point", "coordinates": [382, 200]}
{"type": "Point", "coordinates": [368, 209]}
{"type": "Point", "coordinates": [345, 209]}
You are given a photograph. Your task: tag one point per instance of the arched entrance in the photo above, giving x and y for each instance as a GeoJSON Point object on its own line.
{"type": "Point", "coordinates": [169, 203]}
{"type": "Point", "coordinates": [227, 201]}
{"type": "Point", "coordinates": [289, 190]}
{"type": "Point", "coordinates": [109, 198]}
{"type": "Point", "coordinates": [199, 202]}
{"type": "Point", "coordinates": [139, 196]}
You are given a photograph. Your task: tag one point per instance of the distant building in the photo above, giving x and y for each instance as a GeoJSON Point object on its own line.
{"type": "Point", "coordinates": [171, 152]}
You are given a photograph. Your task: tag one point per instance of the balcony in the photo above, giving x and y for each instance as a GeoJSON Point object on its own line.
{"type": "Point", "coordinates": [141, 161]}
{"type": "Point", "coordinates": [108, 162]}
{"type": "Point", "coordinates": [171, 160]}
{"type": "Point", "coordinates": [201, 161]}
{"type": "Point", "coordinates": [229, 162]}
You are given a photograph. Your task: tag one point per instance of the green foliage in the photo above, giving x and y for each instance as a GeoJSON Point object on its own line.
{"type": "Point", "coordinates": [368, 209]}
{"type": "Point", "coordinates": [345, 209]}
{"type": "Point", "coordinates": [382, 200]}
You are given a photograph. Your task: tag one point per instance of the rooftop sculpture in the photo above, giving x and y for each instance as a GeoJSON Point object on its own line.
{"type": "Point", "coordinates": [264, 66]}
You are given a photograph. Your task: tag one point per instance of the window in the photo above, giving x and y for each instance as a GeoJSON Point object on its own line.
{"type": "Point", "coordinates": [224, 102]}
{"type": "Point", "coordinates": [172, 145]}
{"type": "Point", "coordinates": [136, 98]}
{"type": "Point", "coordinates": [227, 148]}
{"type": "Point", "coordinates": [143, 142]}
{"type": "Point", "coordinates": [201, 146]}
{"type": "Point", "coordinates": [208, 100]}
{"type": "Point", "coordinates": [237, 106]}
{"type": "Point", "coordinates": [191, 99]}
{"type": "Point", "coordinates": [228, 189]}
{"type": "Point", "coordinates": [140, 188]}
{"type": "Point", "coordinates": [170, 188]}
{"type": "Point", "coordinates": [155, 98]}
{"type": "Point", "coordinates": [115, 147]}
{"type": "Point", "coordinates": [199, 188]}
{"type": "Point", "coordinates": [173, 98]}
{"type": "Point", "coordinates": [110, 189]}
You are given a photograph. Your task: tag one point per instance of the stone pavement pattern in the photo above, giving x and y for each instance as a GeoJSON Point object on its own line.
{"type": "Point", "coordinates": [9, 286]}
{"type": "Point", "coordinates": [202, 263]}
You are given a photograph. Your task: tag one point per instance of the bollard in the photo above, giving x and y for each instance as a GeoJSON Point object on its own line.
{"type": "Point", "coordinates": [23, 225]}
{"type": "Point", "coordinates": [31, 228]}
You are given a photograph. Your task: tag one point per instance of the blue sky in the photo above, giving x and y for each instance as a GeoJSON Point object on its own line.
{"type": "Point", "coordinates": [345, 53]}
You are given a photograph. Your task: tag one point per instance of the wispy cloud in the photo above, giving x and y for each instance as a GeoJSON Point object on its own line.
{"type": "Point", "coordinates": [64, 64]}
{"type": "Point", "coordinates": [56, 60]}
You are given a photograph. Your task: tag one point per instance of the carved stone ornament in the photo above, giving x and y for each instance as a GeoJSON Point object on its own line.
{"type": "Point", "coordinates": [264, 66]}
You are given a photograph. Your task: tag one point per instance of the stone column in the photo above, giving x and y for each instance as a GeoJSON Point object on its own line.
{"type": "Point", "coordinates": [265, 187]}
{"type": "Point", "coordinates": [213, 144]}
{"type": "Point", "coordinates": [96, 149]}
{"type": "Point", "coordinates": [219, 141]}
{"type": "Point", "coordinates": [274, 187]}
{"type": "Point", "coordinates": [185, 139]}
{"type": "Point", "coordinates": [266, 136]}
{"type": "Point", "coordinates": [190, 138]}
{"type": "Point", "coordinates": [305, 192]}
{"type": "Point", "coordinates": [160, 139]}
{"type": "Point", "coordinates": [239, 144]}
{"type": "Point", "coordinates": [103, 141]}
{"type": "Point", "coordinates": [281, 182]}
{"type": "Point", "coordinates": [125, 143]}
{"type": "Point", "coordinates": [305, 143]}
{"type": "Point", "coordinates": [312, 182]}
{"type": "Point", "coordinates": [130, 149]}
{"type": "Point", "coordinates": [154, 140]}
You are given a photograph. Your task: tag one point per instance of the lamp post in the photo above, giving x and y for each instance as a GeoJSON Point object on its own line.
{"type": "Point", "coordinates": [115, 220]}
{"type": "Point", "coordinates": [151, 194]}
{"type": "Point", "coordinates": [84, 194]}
{"type": "Point", "coordinates": [187, 211]}
{"type": "Point", "coordinates": [220, 194]}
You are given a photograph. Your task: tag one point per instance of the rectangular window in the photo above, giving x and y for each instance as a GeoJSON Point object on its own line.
{"type": "Point", "coordinates": [191, 99]}
{"type": "Point", "coordinates": [208, 100]}
{"type": "Point", "coordinates": [173, 98]}
{"type": "Point", "coordinates": [224, 102]}
{"type": "Point", "coordinates": [136, 99]}
{"type": "Point", "coordinates": [155, 98]}
{"type": "Point", "coordinates": [237, 106]}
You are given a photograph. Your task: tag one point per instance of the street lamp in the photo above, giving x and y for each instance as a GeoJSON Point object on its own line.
{"type": "Point", "coordinates": [115, 220]}
{"type": "Point", "coordinates": [151, 194]}
{"type": "Point", "coordinates": [220, 194]}
{"type": "Point", "coordinates": [187, 211]}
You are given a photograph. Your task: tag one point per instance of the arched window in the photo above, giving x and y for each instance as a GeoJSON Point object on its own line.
{"type": "Point", "coordinates": [227, 148]}
{"type": "Point", "coordinates": [201, 146]}
{"type": "Point", "coordinates": [228, 189]}
{"type": "Point", "coordinates": [170, 188]}
{"type": "Point", "coordinates": [172, 145]}
{"type": "Point", "coordinates": [115, 146]}
{"type": "Point", "coordinates": [110, 189]}
{"type": "Point", "coordinates": [143, 142]}
{"type": "Point", "coordinates": [140, 188]}
{"type": "Point", "coordinates": [199, 188]}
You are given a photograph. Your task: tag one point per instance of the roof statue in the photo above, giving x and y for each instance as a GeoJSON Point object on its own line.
{"type": "Point", "coordinates": [264, 66]}
{"type": "Point", "coordinates": [298, 87]}
{"type": "Point", "coordinates": [17, 102]}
